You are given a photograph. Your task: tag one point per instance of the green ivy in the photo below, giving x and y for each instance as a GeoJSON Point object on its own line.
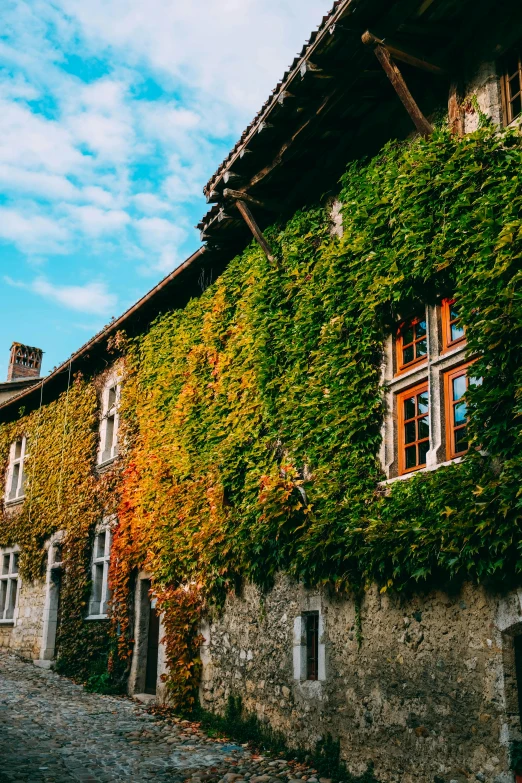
{"type": "Point", "coordinates": [256, 411]}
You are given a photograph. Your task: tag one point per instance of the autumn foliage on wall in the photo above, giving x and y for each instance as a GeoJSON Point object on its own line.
{"type": "Point", "coordinates": [254, 414]}
{"type": "Point", "coordinates": [251, 419]}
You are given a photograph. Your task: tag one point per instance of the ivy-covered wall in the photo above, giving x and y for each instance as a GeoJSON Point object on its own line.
{"type": "Point", "coordinates": [252, 417]}
{"type": "Point", "coordinates": [255, 412]}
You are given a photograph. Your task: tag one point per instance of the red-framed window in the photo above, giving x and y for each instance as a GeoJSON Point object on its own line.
{"type": "Point", "coordinates": [412, 343]}
{"type": "Point", "coordinates": [414, 428]}
{"type": "Point", "coordinates": [512, 85]}
{"type": "Point", "coordinates": [452, 329]}
{"type": "Point", "coordinates": [456, 383]}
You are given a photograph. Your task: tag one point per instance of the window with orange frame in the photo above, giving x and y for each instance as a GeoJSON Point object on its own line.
{"type": "Point", "coordinates": [413, 421]}
{"type": "Point", "coordinates": [456, 383]}
{"type": "Point", "coordinates": [452, 330]}
{"type": "Point", "coordinates": [412, 343]}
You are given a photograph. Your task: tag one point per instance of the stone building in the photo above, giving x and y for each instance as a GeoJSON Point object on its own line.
{"type": "Point", "coordinates": [426, 685]}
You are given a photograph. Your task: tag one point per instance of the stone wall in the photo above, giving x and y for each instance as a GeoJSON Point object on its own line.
{"type": "Point", "coordinates": [423, 697]}
{"type": "Point", "coordinates": [484, 85]}
{"type": "Point", "coordinates": [25, 634]}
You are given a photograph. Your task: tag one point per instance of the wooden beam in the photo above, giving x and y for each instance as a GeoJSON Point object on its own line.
{"type": "Point", "coordinates": [399, 54]}
{"type": "Point", "coordinates": [256, 231]}
{"type": "Point", "coordinates": [239, 194]}
{"type": "Point", "coordinates": [401, 88]}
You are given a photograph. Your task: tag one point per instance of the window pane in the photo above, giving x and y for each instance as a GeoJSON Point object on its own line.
{"type": "Point", "coordinates": [424, 428]}
{"type": "Point", "coordinates": [109, 433]}
{"type": "Point", "coordinates": [408, 355]}
{"type": "Point", "coordinates": [516, 106]}
{"type": "Point", "coordinates": [14, 563]}
{"type": "Point", "coordinates": [112, 398]}
{"type": "Point", "coordinates": [461, 439]}
{"type": "Point", "coordinates": [475, 381]}
{"type": "Point", "coordinates": [459, 413]}
{"type": "Point", "coordinates": [423, 450]}
{"type": "Point", "coordinates": [407, 335]}
{"type": "Point", "coordinates": [409, 432]}
{"type": "Point", "coordinates": [457, 331]}
{"type": "Point", "coordinates": [411, 457]}
{"type": "Point", "coordinates": [12, 600]}
{"type": "Point", "coordinates": [14, 481]}
{"type": "Point", "coordinates": [459, 387]}
{"type": "Point", "coordinates": [100, 545]}
{"type": "Point", "coordinates": [420, 329]}
{"type": "Point", "coordinates": [409, 408]}
{"type": "Point", "coordinates": [23, 483]}
{"type": "Point", "coordinates": [5, 563]}
{"type": "Point", "coordinates": [3, 597]}
{"type": "Point", "coordinates": [18, 449]}
{"type": "Point", "coordinates": [421, 347]}
{"type": "Point", "coordinates": [422, 402]}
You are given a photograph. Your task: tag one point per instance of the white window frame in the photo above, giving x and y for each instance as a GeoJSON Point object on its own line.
{"type": "Point", "coordinates": [107, 452]}
{"type": "Point", "coordinates": [14, 461]}
{"type": "Point", "coordinates": [438, 363]}
{"type": "Point", "coordinates": [9, 581]}
{"type": "Point", "coordinates": [100, 593]}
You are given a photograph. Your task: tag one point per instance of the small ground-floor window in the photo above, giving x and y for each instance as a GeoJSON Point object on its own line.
{"type": "Point", "coordinates": [8, 584]}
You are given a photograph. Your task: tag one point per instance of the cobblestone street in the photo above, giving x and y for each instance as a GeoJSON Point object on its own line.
{"type": "Point", "coordinates": [52, 730]}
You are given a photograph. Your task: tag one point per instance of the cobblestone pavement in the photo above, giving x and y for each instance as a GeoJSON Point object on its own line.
{"type": "Point", "coordinates": [52, 731]}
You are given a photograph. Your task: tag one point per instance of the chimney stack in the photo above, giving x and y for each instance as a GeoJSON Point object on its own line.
{"type": "Point", "coordinates": [25, 362]}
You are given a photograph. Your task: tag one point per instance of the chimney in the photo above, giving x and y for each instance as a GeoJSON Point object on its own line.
{"type": "Point", "coordinates": [25, 362]}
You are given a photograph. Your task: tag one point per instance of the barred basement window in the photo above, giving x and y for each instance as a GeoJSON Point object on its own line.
{"type": "Point", "coordinates": [312, 645]}
{"type": "Point", "coordinates": [100, 593]}
{"type": "Point", "coordinates": [15, 489]}
{"type": "Point", "coordinates": [512, 85]}
{"type": "Point", "coordinates": [8, 584]}
{"type": "Point", "coordinates": [109, 423]}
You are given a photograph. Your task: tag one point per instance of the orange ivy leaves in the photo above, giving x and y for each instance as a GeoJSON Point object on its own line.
{"type": "Point", "coordinates": [182, 608]}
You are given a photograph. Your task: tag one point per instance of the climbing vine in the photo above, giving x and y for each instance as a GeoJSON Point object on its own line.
{"type": "Point", "coordinates": [252, 417]}
{"type": "Point", "coordinates": [62, 492]}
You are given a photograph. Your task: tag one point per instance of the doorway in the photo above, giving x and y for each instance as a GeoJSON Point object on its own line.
{"type": "Point", "coordinates": [151, 667]}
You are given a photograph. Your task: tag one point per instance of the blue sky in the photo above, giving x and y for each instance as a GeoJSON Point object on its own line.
{"type": "Point", "coordinates": [113, 115]}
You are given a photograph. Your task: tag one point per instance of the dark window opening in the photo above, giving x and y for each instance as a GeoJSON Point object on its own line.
{"type": "Point", "coordinates": [512, 85]}
{"type": "Point", "coordinates": [518, 673]}
{"type": "Point", "coordinates": [312, 645]}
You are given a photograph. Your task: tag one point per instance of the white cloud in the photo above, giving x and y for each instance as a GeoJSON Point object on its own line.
{"type": "Point", "coordinates": [150, 204]}
{"type": "Point", "coordinates": [94, 221]}
{"type": "Point", "coordinates": [32, 233]}
{"type": "Point", "coordinates": [93, 298]}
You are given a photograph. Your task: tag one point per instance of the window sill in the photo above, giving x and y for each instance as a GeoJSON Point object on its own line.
{"type": "Point", "coordinates": [14, 501]}
{"type": "Point", "coordinates": [3, 623]}
{"type": "Point", "coordinates": [427, 469]}
{"type": "Point", "coordinates": [101, 466]}
{"type": "Point", "coordinates": [97, 617]}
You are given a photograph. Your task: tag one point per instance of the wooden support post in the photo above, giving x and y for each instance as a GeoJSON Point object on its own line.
{"type": "Point", "coordinates": [395, 77]}
{"type": "Point", "coordinates": [256, 231]}
{"type": "Point", "coordinates": [455, 113]}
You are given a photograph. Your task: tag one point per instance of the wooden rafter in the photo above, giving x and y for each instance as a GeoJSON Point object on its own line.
{"type": "Point", "coordinates": [400, 86]}
{"type": "Point", "coordinates": [398, 53]}
{"type": "Point", "coordinates": [256, 231]}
